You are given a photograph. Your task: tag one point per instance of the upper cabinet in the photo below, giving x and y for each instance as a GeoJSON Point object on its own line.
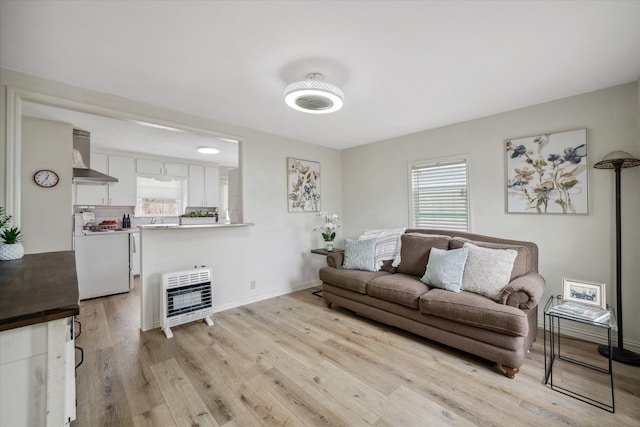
{"type": "Point", "coordinates": [123, 193]}
{"type": "Point", "coordinates": [204, 186]}
{"type": "Point", "coordinates": [158, 167]}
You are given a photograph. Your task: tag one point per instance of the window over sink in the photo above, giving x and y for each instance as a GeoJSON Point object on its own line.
{"type": "Point", "coordinates": [159, 197]}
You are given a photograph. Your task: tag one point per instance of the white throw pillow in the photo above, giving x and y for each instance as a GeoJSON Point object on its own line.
{"type": "Point", "coordinates": [387, 245]}
{"type": "Point", "coordinates": [487, 271]}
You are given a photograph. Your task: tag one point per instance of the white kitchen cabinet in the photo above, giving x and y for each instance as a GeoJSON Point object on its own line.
{"type": "Point", "coordinates": [204, 186]}
{"type": "Point", "coordinates": [150, 167]}
{"type": "Point", "coordinates": [92, 195]}
{"type": "Point", "coordinates": [179, 170]}
{"type": "Point", "coordinates": [37, 381]}
{"type": "Point", "coordinates": [123, 193]}
{"type": "Point", "coordinates": [158, 167]}
{"type": "Point", "coordinates": [211, 186]}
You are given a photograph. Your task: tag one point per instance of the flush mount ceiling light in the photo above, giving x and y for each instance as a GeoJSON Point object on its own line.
{"type": "Point", "coordinates": [208, 150]}
{"type": "Point", "coordinates": [314, 95]}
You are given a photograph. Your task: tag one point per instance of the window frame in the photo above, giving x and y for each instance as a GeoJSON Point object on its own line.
{"type": "Point", "coordinates": [435, 162]}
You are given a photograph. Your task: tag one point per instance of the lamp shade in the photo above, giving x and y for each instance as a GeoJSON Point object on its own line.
{"type": "Point", "coordinates": [622, 158]}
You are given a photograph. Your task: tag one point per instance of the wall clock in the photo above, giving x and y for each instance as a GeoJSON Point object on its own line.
{"type": "Point", "coordinates": [46, 178]}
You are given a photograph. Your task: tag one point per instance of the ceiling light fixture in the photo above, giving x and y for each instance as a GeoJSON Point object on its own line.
{"type": "Point", "coordinates": [314, 95]}
{"type": "Point", "coordinates": [208, 150]}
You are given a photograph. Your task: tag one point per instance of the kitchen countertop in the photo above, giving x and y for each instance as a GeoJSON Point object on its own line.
{"type": "Point", "coordinates": [106, 232]}
{"type": "Point", "coordinates": [189, 226]}
{"type": "Point", "coordinates": [38, 288]}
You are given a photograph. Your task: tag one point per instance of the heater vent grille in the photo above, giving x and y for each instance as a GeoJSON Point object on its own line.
{"type": "Point", "coordinates": [186, 296]}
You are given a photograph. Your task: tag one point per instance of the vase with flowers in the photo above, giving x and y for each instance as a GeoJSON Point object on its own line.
{"type": "Point", "coordinates": [328, 229]}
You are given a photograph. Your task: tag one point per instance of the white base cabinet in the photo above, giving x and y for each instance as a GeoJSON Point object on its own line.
{"type": "Point", "coordinates": [37, 375]}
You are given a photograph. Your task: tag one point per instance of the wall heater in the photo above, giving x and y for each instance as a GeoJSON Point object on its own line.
{"type": "Point", "coordinates": [186, 296]}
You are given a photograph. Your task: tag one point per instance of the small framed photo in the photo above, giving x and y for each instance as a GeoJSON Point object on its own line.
{"type": "Point", "coordinates": [590, 293]}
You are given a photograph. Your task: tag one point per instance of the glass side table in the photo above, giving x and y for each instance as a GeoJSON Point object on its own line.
{"type": "Point", "coordinates": [552, 352]}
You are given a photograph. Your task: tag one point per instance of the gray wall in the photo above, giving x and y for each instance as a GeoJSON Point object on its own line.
{"type": "Point", "coordinates": [46, 212]}
{"type": "Point", "coordinates": [375, 188]}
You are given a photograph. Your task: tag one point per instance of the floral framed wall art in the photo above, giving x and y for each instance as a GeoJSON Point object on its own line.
{"type": "Point", "coordinates": [548, 173]}
{"type": "Point", "coordinates": [303, 185]}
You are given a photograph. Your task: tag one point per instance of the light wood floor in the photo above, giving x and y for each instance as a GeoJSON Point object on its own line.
{"type": "Point", "coordinates": [291, 361]}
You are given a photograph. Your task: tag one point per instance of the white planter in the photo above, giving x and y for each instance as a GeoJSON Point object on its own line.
{"type": "Point", "coordinates": [11, 252]}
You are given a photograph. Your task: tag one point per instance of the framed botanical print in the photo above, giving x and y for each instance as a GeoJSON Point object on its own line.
{"type": "Point", "coordinates": [548, 173]}
{"type": "Point", "coordinates": [303, 185]}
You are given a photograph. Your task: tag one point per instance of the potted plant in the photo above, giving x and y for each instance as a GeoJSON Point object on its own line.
{"type": "Point", "coordinates": [328, 228]}
{"type": "Point", "coordinates": [4, 219]}
{"type": "Point", "coordinates": [10, 246]}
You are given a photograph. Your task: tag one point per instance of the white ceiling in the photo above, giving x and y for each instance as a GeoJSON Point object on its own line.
{"type": "Point", "coordinates": [404, 66]}
{"type": "Point", "coordinates": [111, 134]}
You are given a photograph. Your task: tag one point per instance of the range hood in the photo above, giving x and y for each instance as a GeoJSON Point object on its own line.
{"type": "Point", "coordinates": [82, 172]}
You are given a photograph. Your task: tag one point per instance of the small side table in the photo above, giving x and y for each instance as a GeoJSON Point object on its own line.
{"type": "Point", "coordinates": [323, 251]}
{"type": "Point", "coordinates": [552, 321]}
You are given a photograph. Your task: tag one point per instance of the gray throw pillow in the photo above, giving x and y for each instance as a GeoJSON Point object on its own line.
{"type": "Point", "coordinates": [360, 255]}
{"type": "Point", "coordinates": [446, 268]}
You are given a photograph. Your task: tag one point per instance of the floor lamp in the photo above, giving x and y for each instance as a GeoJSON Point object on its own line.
{"type": "Point", "coordinates": [619, 160]}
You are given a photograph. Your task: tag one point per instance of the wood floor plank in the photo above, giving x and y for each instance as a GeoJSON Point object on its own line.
{"type": "Point", "coordinates": [183, 402]}
{"type": "Point", "coordinates": [292, 361]}
{"type": "Point", "coordinates": [408, 408]}
{"type": "Point", "coordinates": [158, 416]}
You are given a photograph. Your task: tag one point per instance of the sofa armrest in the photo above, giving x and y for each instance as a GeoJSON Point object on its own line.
{"type": "Point", "coordinates": [335, 259]}
{"type": "Point", "coordinates": [524, 292]}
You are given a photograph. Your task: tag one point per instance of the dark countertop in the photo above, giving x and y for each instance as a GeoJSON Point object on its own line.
{"type": "Point", "coordinates": [38, 288]}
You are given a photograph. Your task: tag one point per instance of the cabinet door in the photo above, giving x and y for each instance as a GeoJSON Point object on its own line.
{"type": "Point", "coordinates": [196, 185]}
{"type": "Point", "coordinates": [94, 194]}
{"type": "Point", "coordinates": [176, 169]}
{"type": "Point", "coordinates": [211, 186]}
{"type": "Point", "coordinates": [123, 193]}
{"type": "Point", "coordinates": [150, 167]}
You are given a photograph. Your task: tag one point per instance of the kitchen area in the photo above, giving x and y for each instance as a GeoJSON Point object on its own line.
{"type": "Point", "coordinates": [88, 186]}
{"type": "Point", "coordinates": [126, 175]}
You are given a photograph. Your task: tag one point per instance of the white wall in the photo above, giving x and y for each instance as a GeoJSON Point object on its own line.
{"type": "Point", "coordinates": [375, 192]}
{"type": "Point", "coordinates": [46, 212]}
{"type": "Point", "coordinates": [275, 251]}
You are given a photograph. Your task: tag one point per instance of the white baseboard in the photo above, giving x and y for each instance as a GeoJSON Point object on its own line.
{"type": "Point", "coordinates": [575, 330]}
{"type": "Point", "coordinates": [260, 297]}
{"type": "Point", "coordinates": [272, 294]}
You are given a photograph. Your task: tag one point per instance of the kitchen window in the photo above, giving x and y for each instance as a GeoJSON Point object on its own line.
{"type": "Point", "coordinates": [160, 196]}
{"type": "Point", "coordinates": [439, 194]}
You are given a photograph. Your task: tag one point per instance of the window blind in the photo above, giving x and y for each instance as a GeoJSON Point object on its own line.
{"type": "Point", "coordinates": [439, 196]}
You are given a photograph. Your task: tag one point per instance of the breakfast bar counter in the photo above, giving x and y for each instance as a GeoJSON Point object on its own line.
{"type": "Point", "coordinates": [38, 288]}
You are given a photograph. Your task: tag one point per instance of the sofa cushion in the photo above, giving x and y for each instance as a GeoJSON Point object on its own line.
{"type": "Point", "coordinates": [521, 263]}
{"type": "Point", "coordinates": [487, 270]}
{"type": "Point", "coordinates": [351, 280]}
{"type": "Point", "coordinates": [445, 269]}
{"type": "Point", "coordinates": [360, 255]}
{"type": "Point", "coordinates": [415, 249]}
{"type": "Point", "coordinates": [476, 310]}
{"type": "Point", "coordinates": [398, 288]}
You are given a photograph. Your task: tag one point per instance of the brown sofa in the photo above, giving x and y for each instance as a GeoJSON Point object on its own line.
{"type": "Point", "coordinates": [501, 331]}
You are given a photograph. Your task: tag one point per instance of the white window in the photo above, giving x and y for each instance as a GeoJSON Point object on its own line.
{"type": "Point", "coordinates": [160, 196]}
{"type": "Point", "coordinates": [439, 196]}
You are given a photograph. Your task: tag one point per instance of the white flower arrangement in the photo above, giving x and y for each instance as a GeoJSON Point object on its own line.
{"type": "Point", "coordinates": [329, 225]}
